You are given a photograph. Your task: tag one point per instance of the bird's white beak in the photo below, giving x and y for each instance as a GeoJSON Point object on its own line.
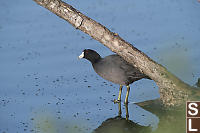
{"type": "Point", "coordinates": [81, 56]}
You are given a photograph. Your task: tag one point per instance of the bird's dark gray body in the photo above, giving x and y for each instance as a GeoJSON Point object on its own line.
{"type": "Point", "coordinates": [115, 69]}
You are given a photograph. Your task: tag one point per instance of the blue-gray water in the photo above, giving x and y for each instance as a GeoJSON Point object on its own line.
{"type": "Point", "coordinates": [45, 88]}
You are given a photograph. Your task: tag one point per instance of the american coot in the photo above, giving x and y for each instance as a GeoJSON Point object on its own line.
{"type": "Point", "coordinates": [115, 69]}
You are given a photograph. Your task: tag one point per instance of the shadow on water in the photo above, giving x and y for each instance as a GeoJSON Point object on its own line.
{"type": "Point", "coordinates": [170, 121]}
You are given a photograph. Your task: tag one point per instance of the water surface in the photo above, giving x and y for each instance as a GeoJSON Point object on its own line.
{"type": "Point", "coordinates": [45, 88]}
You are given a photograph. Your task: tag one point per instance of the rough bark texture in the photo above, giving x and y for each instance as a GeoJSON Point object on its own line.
{"type": "Point", "coordinates": [173, 91]}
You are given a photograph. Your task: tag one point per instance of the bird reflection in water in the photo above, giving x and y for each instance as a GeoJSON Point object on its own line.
{"type": "Point", "coordinates": [119, 124]}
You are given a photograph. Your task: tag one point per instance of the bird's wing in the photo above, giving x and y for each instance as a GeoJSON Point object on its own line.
{"type": "Point", "coordinates": [130, 71]}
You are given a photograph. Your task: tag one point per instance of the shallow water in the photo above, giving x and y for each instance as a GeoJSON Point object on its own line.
{"type": "Point", "coordinates": [45, 88]}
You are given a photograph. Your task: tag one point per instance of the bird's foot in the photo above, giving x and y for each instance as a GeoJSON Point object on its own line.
{"type": "Point", "coordinates": [116, 101]}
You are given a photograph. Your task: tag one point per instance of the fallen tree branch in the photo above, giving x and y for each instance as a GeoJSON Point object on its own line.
{"type": "Point", "coordinates": [173, 91]}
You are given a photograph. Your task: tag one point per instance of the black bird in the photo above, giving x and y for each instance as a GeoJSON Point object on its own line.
{"type": "Point", "coordinates": [115, 69]}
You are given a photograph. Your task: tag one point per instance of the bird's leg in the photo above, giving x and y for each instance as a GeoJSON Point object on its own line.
{"type": "Point", "coordinates": [127, 94]}
{"type": "Point", "coordinates": [120, 93]}
{"type": "Point", "coordinates": [119, 96]}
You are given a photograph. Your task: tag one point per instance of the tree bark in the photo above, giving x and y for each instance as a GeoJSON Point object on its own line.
{"type": "Point", "coordinates": [173, 91]}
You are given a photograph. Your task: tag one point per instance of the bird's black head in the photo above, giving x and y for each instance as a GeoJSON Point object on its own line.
{"type": "Point", "coordinates": [90, 55]}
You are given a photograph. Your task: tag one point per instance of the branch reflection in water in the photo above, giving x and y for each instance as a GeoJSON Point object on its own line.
{"type": "Point", "coordinates": [171, 120]}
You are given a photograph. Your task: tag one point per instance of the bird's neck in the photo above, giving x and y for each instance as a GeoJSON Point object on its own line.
{"type": "Point", "coordinates": [94, 60]}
